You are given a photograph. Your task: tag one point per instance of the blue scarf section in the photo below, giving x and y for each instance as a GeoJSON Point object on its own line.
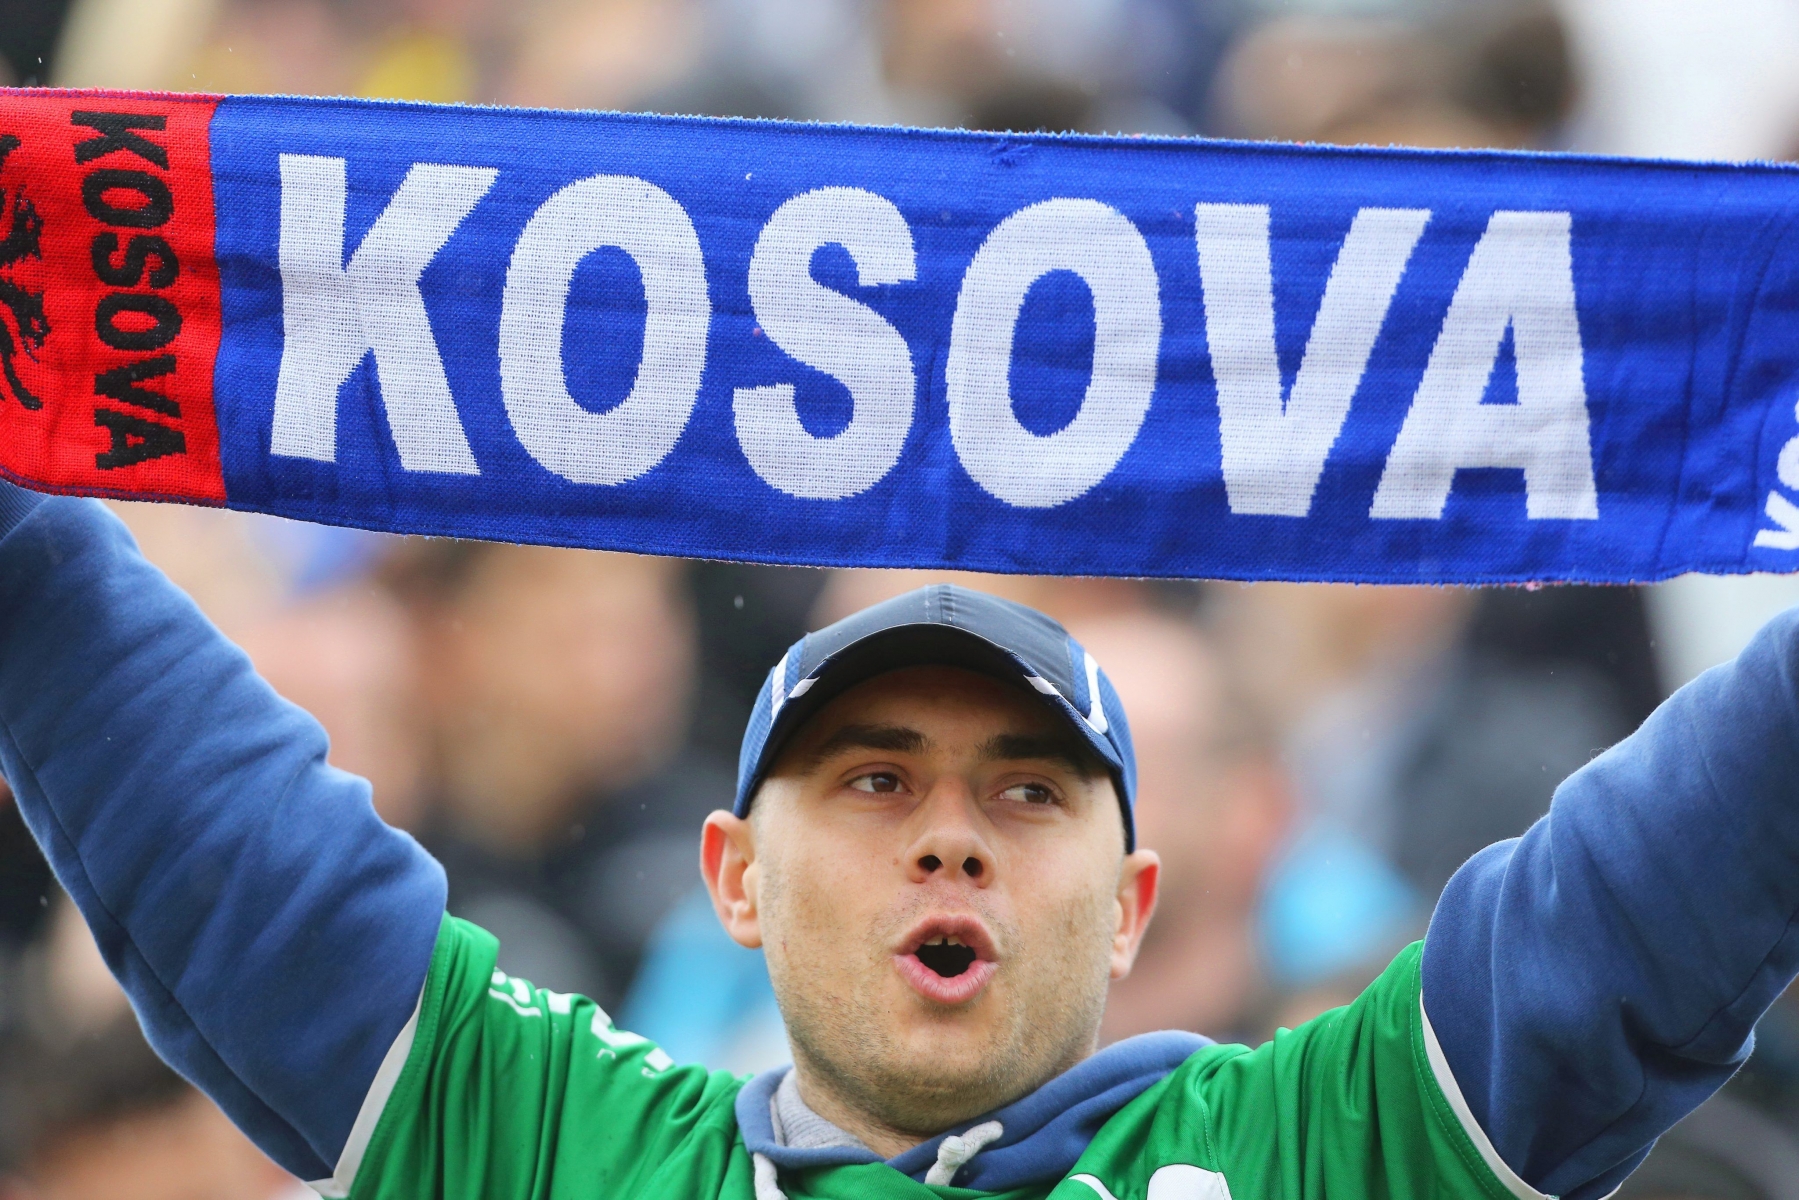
{"type": "Point", "coordinates": [883, 347]}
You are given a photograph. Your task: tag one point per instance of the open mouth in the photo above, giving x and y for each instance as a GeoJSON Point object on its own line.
{"type": "Point", "coordinates": [946, 956]}
{"type": "Point", "coordinates": [948, 959]}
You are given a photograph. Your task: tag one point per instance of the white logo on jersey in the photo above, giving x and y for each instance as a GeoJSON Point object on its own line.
{"type": "Point", "coordinates": [1176, 1181]}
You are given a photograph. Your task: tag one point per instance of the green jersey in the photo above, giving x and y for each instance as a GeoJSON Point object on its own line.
{"type": "Point", "coordinates": [508, 1090]}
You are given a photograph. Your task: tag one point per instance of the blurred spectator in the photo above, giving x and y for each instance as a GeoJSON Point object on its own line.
{"type": "Point", "coordinates": [1133, 65]}
{"type": "Point", "coordinates": [815, 59]}
{"type": "Point", "coordinates": [1602, 630]}
{"type": "Point", "coordinates": [25, 883]}
{"type": "Point", "coordinates": [698, 994]}
{"type": "Point", "coordinates": [1213, 802]}
{"type": "Point", "coordinates": [703, 998]}
{"type": "Point", "coordinates": [87, 1110]}
{"type": "Point", "coordinates": [1172, 52]}
{"type": "Point", "coordinates": [557, 685]}
{"type": "Point", "coordinates": [940, 56]}
{"type": "Point", "coordinates": [1492, 72]}
{"type": "Point", "coordinates": [602, 53]}
{"type": "Point", "coordinates": [1724, 1150]}
{"type": "Point", "coordinates": [1068, 600]}
{"type": "Point", "coordinates": [217, 557]}
{"type": "Point", "coordinates": [1770, 1079]}
{"type": "Point", "coordinates": [1419, 729]}
{"type": "Point", "coordinates": [103, 1117]}
{"type": "Point", "coordinates": [1337, 671]}
{"type": "Point", "coordinates": [746, 616]}
{"type": "Point", "coordinates": [28, 33]}
{"type": "Point", "coordinates": [291, 46]}
{"type": "Point", "coordinates": [347, 656]}
{"type": "Point", "coordinates": [298, 599]}
{"type": "Point", "coordinates": [557, 691]}
{"type": "Point", "coordinates": [131, 43]}
{"type": "Point", "coordinates": [1496, 73]}
{"type": "Point", "coordinates": [551, 671]}
{"type": "Point", "coordinates": [1030, 65]}
{"type": "Point", "coordinates": [68, 992]}
{"type": "Point", "coordinates": [441, 51]}
{"type": "Point", "coordinates": [1035, 106]}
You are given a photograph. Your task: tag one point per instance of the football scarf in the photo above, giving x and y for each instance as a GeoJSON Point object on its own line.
{"type": "Point", "coordinates": [833, 345]}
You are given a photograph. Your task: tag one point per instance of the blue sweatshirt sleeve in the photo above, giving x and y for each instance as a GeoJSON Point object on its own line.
{"type": "Point", "coordinates": [1595, 980]}
{"type": "Point", "coordinates": [273, 934]}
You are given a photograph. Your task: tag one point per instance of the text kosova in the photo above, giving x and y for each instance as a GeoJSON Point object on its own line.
{"type": "Point", "coordinates": [131, 201]}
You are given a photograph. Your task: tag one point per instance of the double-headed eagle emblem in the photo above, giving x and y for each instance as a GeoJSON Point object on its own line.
{"type": "Point", "coordinates": [23, 325]}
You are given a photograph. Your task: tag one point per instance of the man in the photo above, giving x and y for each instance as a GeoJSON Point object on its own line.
{"type": "Point", "coordinates": [101, 1117]}
{"type": "Point", "coordinates": [87, 1110]}
{"type": "Point", "coordinates": [557, 685]}
{"type": "Point", "coordinates": [1214, 803]}
{"type": "Point", "coordinates": [932, 839]}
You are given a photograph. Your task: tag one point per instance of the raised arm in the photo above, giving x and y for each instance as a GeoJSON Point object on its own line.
{"type": "Point", "coordinates": [272, 932]}
{"type": "Point", "coordinates": [1593, 981]}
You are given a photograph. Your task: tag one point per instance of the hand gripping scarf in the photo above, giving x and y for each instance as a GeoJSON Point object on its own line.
{"type": "Point", "coordinates": [881, 347]}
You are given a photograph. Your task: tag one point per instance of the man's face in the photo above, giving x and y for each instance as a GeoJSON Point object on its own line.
{"type": "Point", "coordinates": [938, 877]}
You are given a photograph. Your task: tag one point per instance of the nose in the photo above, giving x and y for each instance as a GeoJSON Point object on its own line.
{"type": "Point", "coordinates": [949, 841]}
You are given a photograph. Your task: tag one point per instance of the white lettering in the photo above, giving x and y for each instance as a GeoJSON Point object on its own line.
{"type": "Point", "coordinates": [1099, 244]}
{"type": "Point", "coordinates": [333, 316]}
{"type": "Point", "coordinates": [1521, 276]}
{"type": "Point", "coordinates": [1273, 453]}
{"type": "Point", "coordinates": [645, 222]}
{"type": "Point", "coordinates": [1780, 510]}
{"type": "Point", "coordinates": [1786, 466]}
{"type": "Point", "coordinates": [842, 337]}
{"type": "Point", "coordinates": [1784, 513]}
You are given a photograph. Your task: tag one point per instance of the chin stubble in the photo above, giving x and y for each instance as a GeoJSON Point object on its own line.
{"type": "Point", "coordinates": [845, 1041]}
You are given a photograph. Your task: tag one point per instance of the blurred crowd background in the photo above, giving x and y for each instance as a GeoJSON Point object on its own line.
{"type": "Point", "coordinates": [1316, 760]}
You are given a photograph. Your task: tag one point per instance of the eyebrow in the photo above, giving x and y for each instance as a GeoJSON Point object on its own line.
{"type": "Point", "coordinates": [1042, 747]}
{"type": "Point", "coordinates": [898, 739]}
{"type": "Point", "coordinates": [1002, 747]}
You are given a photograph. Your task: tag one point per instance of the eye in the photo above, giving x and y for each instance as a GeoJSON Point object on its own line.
{"type": "Point", "coordinates": [1029, 793]}
{"type": "Point", "coordinates": [878, 782]}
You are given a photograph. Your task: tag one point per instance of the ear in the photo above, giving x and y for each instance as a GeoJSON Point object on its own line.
{"type": "Point", "coordinates": [728, 863]}
{"type": "Point", "coordinates": [1137, 885]}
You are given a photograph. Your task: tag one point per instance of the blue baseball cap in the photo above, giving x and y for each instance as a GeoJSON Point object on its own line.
{"type": "Point", "coordinates": [941, 625]}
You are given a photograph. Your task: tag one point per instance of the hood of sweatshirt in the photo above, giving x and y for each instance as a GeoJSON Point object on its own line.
{"type": "Point", "coordinates": [1044, 1132]}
